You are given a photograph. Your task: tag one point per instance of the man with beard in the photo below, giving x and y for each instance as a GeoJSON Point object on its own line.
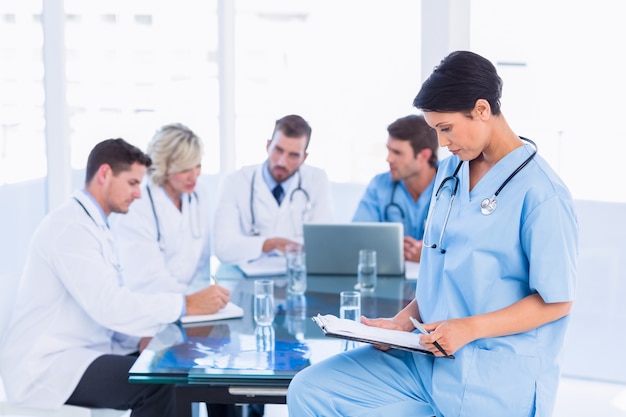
{"type": "Point", "coordinates": [403, 194]}
{"type": "Point", "coordinates": [261, 208]}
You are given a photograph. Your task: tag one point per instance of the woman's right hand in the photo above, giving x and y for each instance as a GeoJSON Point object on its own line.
{"type": "Point", "coordinates": [207, 301]}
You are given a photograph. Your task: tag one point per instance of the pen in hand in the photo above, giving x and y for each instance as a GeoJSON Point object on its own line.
{"type": "Point", "coordinates": [419, 326]}
{"type": "Point", "coordinates": [213, 280]}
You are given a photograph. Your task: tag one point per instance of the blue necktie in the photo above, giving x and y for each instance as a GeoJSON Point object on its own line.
{"type": "Point", "coordinates": [277, 192]}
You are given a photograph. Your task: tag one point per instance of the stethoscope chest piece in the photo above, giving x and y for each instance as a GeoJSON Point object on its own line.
{"type": "Point", "coordinates": [488, 206]}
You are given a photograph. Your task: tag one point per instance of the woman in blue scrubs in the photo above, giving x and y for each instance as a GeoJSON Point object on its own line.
{"type": "Point", "coordinates": [497, 277]}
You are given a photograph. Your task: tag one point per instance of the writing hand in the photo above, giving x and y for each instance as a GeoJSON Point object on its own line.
{"type": "Point", "coordinates": [208, 300]}
{"type": "Point", "coordinates": [451, 335]}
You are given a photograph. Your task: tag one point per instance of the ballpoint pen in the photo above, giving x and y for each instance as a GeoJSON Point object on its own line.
{"type": "Point", "coordinates": [213, 280]}
{"type": "Point", "coordinates": [419, 326]}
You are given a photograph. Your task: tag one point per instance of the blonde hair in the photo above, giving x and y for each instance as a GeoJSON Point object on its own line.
{"type": "Point", "coordinates": [173, 148]}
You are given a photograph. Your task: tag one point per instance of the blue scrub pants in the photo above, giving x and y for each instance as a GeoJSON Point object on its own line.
{"type": "Point", "coordinates": [364, 382]}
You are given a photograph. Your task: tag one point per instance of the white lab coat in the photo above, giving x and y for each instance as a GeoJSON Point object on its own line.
{"type": "Point", "coordinates": [185, 239]}
{"type": "Point", "coordinates": [72, 307]}
{"type": "Point", "coordinates": [234, 242]}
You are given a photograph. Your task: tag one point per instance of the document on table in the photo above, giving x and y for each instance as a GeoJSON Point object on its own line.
{"type": "Point", "coordinates": [348, 329]}
{"type": "Point", "coordinates": [411, 270]}
{"type": "Point", "coordinates": [231, 311]}
{"type": "Point", "coordinates": [264, 266]}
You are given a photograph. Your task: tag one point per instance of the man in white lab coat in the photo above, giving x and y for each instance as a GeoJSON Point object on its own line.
{"type": "Point", "coordinates": [261, 208]}
{"type": "Point", "coordinates": [75, 329]}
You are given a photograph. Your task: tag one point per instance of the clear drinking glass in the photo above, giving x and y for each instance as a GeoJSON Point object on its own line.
{"type": "Point", "coordinates": [350, 309]}
{"type": "Point", "coordinates": [296, 317]}
{"type": "Point", "coordinates": [296, 269]}
{"type": "Point", "coordinates": [264, 302]}
{"type": "Point", "coordinates": [350, 305]}
{"type": "Point", "coordinates": [367, 270]}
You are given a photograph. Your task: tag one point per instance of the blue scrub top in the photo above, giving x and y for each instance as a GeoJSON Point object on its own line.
{"type": "Point", "coordinates": [529, 244]}
{"type": "Point", "coordinates": [376, 205]}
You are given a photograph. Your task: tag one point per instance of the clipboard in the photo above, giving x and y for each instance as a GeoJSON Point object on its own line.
{"type": "Point", "coordinates": [333, 326]}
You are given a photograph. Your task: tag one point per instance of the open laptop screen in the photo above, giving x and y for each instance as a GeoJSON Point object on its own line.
{"type": "Point", "coordinates": [333, 249]}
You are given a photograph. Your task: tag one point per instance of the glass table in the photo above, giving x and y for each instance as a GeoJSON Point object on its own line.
{"type": "Point", "coordinates": [236, 362]}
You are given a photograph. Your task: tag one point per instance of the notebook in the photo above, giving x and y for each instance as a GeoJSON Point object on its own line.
{"type": "Point", "coordinates": [333, 249]}
{"type": "Point", "coordinates": [265, 266]}
{"type": "Point", "coordinates": [231, 311]}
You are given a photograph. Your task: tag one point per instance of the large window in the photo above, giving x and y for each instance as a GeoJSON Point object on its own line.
{"type": "Point", "coordinates": [349, 67]}
{"type": "Point", "coordinates": [22, 142]}
{"type": "Point", "coordinates": [135, 66]}
{"type": "Point", "coordinates": [564, 83]}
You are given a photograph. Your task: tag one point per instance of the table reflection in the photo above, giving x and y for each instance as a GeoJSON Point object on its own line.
{"type": "Point", "coordinates": [237, 348]}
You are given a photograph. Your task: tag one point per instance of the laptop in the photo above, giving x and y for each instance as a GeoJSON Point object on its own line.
{"type": "Point", "coordinates": [333, 249]}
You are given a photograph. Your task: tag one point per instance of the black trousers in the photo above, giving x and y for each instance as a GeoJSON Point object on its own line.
{"type": "Point", "coordinates": [105, 385]}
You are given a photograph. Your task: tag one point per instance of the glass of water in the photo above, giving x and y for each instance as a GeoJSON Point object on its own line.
{"type": "Point", "coordinates": [350, 309]}
{"type": "Point", "coordinates": [367, 271]}
{"type": "Point", "coordinates": [350, 305]}
{"type": "Point", "coordinates": [264, 302]}
{"type": "Point", "coordinates": [296, 269]}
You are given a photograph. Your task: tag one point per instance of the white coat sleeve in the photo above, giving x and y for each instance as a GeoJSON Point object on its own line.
{"type": "Point", "coordinates": [91, 279]}
{"type": "Point", "coordinates": [321, 201]}
{"type": "Point", "coordinates": [232, 240]}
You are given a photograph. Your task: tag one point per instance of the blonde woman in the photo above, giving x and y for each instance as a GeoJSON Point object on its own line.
{"type": "Point", "coordinates": [164, 239]}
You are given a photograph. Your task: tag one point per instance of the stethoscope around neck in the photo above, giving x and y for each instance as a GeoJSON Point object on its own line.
{"type": "Point", "coordinates": [195, 220]}
{"type": "Point", "coordinates": [112, 256]}
{"type": "Point", "coordinates": [254, 229]}
{"type": "Point", "coordinates": [393, 205]}
{"type": "Point", "coordinates": [487, 205]}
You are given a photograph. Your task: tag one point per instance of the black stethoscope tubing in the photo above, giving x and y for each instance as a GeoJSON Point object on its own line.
{"type": "Point", "coordinates": [504, 183]}
{"type": "Point", "coordinates": [156, 217]}
{"type": "Point", "coordinates": [254, 230]}
{"type": "Point", "coordinates": [393, 204]}
{"type": "Point", "coordinates": [487, 206]}
{"type": "Point", "coordinates": [112, 259]}
{"type": "Point", "coordinates": [86, 211]}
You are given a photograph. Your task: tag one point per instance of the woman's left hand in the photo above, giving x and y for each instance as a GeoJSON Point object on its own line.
{"type": "Point", "coordinates": [384, 323]}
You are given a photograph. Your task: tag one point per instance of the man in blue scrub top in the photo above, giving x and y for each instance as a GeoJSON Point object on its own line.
{"type": "Point", "coordinates": [403, 194]}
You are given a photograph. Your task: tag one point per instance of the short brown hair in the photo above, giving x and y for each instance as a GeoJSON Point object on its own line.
{"type": "Point", "coordinates": [293, 126]}
{"type": "Point", "coordinates": [414, 129]}
{"type": "Point", "coordinates": [118, 154]}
